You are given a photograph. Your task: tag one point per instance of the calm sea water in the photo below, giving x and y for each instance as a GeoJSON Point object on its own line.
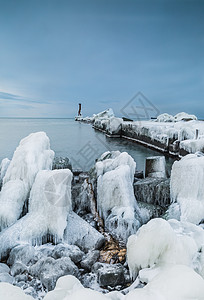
{"type": "Point", "coordinates": [78, 141]}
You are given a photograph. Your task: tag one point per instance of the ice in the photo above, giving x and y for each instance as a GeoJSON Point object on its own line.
{"type": "Point", "coordinates": [32, 155]}
{"type": "Point", "coordinates": [165, 118]}
{"type": "Point", "coordinates": [156, 243]}
{"type": "Point", "coordinates": [116, 202]}
{"type": "Point", "coordinates": [10, 292]}
{"type": "Point", "coordinates": [182, 116]}
{"type": "Point", "coordinates": [3, 168]}
{"type": "Point", "coordinates": [49, 205]}
{"type": "Point", "coordinates": [193, 146]}
{"type": "Point", "coordinates": [187, 188]}
{"type": "Point", "coordinates": [177, 282]}
{"type": "Point", "coordinates": [108, 113]}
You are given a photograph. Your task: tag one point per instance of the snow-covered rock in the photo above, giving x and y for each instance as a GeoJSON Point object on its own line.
{"type": "Point", "coordinates": [49, 205]}
{"type": "Point", "coordinates": [176, 282]}
{"type": "Point", "coordinates": [32, 155]}
{"type": "Point", "coordinates": [116, 202]}
{"type": "Point", "coordinates": [165, 118]}
{"type": "Point", "coordinates": [184, 117]}
{"type": "Point", "coordinates": [192, 146]}
{"type": "Point", "coordinates": [187, 188]}
{"type": "Point", "coordinates": [157, 243]}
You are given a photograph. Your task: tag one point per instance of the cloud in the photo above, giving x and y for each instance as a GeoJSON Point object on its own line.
{"type": "Point", "coordinates": [14, 97]}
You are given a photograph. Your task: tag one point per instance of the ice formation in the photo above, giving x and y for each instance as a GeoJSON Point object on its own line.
{"type": "Point", "coordinates": [158, 244]}
{"type": "Point", "coordinates": [165, 118]}
{"type": "Point", "coordinates": [116, 202]}
{"type": "Point", "coordinates": [187, 188]}
{"type": "Point", "coordinates": [193, 146]}
{"type": "Point", "coordinates": [49, 205]}
{"type": "Point", "coordinates": [32, 155]}
{"type": "Point", "coordinates": [175, 282]}
{"type": "Point", "coordinates": [184, 117]}
{"type": "Point", "coordinates": [3, 168]}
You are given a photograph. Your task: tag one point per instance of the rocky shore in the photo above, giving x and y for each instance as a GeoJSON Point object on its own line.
{"type": "Point", "coordinates": [110, 233]}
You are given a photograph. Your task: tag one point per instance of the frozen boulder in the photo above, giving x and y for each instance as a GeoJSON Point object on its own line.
{"type": "Point", "coordinates": [89, 259]}
{"type": "Point", "coordinates": [184, 117]}
{"type": "Point", "coordinates": [65, 250]}
{"type": "Point", "coordinates": [18, 268]}
{"type": "Point", "coordinates": [4, 268]}
{"type": "Point", "coordinates": [78, 232]}
{"type": "Point", "coordinates": [116, 202]}
{"type": "Point", "coordinates": [165, 118]}
{"type": "Point", "coordinates": [49, 205]}
{"type": "Point", "coordinates": [5, 277]}
{"type": "Point", "coordinates": [157, 243]}
{"type": "Point", "coordinates": [32, 155]}
{"type": "Point", "coordinates": [22, 253]}
{"type": "Point", "coordinates": [174, 282]}
{"type": "Point", "coordinates": [51, 270]}
{"type": "Point", "coordinates": [187, 188]}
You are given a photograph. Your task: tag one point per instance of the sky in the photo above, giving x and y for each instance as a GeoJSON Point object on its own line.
{"type": "Point", "coordinates": [55, 54]}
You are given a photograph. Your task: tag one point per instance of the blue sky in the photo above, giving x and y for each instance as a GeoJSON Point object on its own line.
{"type": "Point", "coordinates": [56, 53]}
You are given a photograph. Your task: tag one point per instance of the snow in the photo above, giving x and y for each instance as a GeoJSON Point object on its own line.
{"type": "Point", "coordinates": [177, 282]}
{"type": "Point", "coordinates": [193, 146]}
{"type": "Point", "coordinates": [49, 205]}
{"type": "Point", "coordinates": [187, 189]}
{"type": "Point", "coordinates": [32, 155]}
{"type": "Point", "coordinates": [165, 118]}
{"type": "Point", "coordinates": [108, 113]}
{"type": "Point", "coordinates": [161, 243]}
{"type": "Point", "coordinates": [116, 202]}
{"type": "Point", "coordinates": [184, 116]}
{"type": "Point", "coordinates": [10, 292]}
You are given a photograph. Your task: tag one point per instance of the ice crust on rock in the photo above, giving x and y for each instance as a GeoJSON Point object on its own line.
{"type": "Point", "coordinates": [49, 205]}
{"type": "Point", "coordinates": [3, 168]}
{"type": "Point", "coordinates": [193, 146]}
{"type": "Point", "coordinates": [116, 202]}
{"type": "Point", "coordinates": [156, 243]}
{"type": "Point", "coordinates": [187, 188]}
{"type": "Point", "coordinates": [10, 292]}
{"type": "Point", "coordinates": [32, 155]}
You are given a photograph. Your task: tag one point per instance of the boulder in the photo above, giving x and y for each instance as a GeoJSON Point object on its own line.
{"type": "Point", "coordinates": [89, 259]}
{"type": "Point", "coordinates": [65, 250]}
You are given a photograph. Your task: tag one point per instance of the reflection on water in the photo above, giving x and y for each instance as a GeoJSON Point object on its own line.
{"type": "Point", "coordinates": [78, 141]}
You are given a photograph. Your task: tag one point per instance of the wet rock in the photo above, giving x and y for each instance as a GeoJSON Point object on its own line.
{"type": "Point", "coordinates": [65, 250]}
{"type": "Point", "coordinates": [109, 274]}
{"type": "Point", "coordinates": [18, 268]}
{"type": "Point", "coordinates": [22, 253]}
{"type": "Point", "coordinates": [5, 277]}
{"type": "Point", "coordinates": [89, 259]}
{"type": "Point", "coordinates": [4, 268]}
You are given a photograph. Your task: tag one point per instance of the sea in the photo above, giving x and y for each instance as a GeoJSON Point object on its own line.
{"type": "Point", "coordinates": [78, 141]}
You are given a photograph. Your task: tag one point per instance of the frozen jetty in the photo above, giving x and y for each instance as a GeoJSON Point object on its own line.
{"type": "Point", "coordinates": [175, 135]}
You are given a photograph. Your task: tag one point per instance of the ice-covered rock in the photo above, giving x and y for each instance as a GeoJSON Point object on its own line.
{"type": "Point", "coordinates": [187, 188]}
{"type": "Point", "coordinates": [114, 126]}
{"type": "Point", "coordinates": [49, 205]}
{"type": "Point", "coordinates": [5, 277]}
{"type": "Point", "coordinates": [192, 146]}
{"type": "Point", "coordinates": [157, 243]}
{"type": "Point", "coordinates": [182, 116]}
{"type": "Point", "coordinates": [10, 292]}
{"type": "Point", "coordinates": [78, 232]}
{"type": "Point", "coordinates": [176, 282]}
{"type": "Point", "coordinates": [49, 270]}
{"type": "Point", "coordinates": [65, 250]}
{"type": "Point", "coordinates": [4, 268]}
{"type": "Point", "coordinates": [3, 168]}
{"type": "Point", "coordinates": [165, 118]}
{"type": "Point", "coordinates": [21, 253]}
{"type": "Point", "coordinates": [116, 202]}
{"type": "Point", "coordinates": [32, 155]}
{"type": "Point", "coordinates": [109, 274]}
{"type": "Point", "coordinates": [154, 191]}
{"type": "Point", "coordinates": [89, 259]}
{"type": "Point", "coordinates": [108, 113]}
